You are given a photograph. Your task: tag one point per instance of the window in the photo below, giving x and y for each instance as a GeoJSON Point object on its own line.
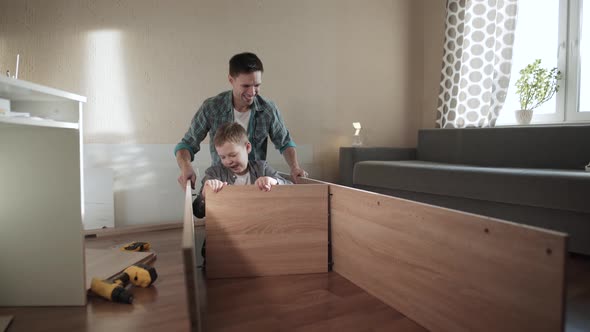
{"type": "Point", "coordinates": [552, 30]}
{"type": "Point", "coordinates": [584, 37]}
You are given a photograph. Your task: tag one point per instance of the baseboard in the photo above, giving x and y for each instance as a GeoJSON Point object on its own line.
{"type": "Point", "coordinates": [104, 232]}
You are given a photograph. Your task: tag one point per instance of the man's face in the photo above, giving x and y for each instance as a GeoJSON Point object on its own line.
{"type": "Point", "coordinates": [234, 156]}
{"type": "Point", "coordinates": [245, 87]}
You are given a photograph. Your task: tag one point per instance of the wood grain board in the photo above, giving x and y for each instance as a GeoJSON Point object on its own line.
{"type": "Point", "coordinates": [106, 263]}
{"type": "Point", "coordinates": [255, 233]}
{"type": "Point", "coordinates": [189, 261]}
{"type": "Point", "coordinates": [448, 270]}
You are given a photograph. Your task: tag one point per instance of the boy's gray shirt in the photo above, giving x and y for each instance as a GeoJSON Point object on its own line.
{"type": "Point", "coordinates": [256, 168]}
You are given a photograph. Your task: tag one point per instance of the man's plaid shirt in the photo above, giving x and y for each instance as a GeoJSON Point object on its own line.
{"type": "Point", "coordinates": [265, 121]}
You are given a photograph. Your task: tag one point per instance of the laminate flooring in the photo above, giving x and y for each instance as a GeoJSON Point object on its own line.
{"type": "Point", "coordinates": [312, 302]}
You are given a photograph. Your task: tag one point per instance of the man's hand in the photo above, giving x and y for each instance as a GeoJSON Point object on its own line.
{"type": "Point", "coordinates": [215, 185]}
{"type": "Point", "coordinates": [297, 173]}
{"type": "Point", "coordinates": [187, 173]}
{"type": "Point", "coordinates": [290, 155]}
{"type": "Point", "coordinates": [183, 158]}
{"type": "Point", "coordinates": [264, 183]}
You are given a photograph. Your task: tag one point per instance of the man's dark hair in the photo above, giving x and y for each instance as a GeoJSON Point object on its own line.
{"type": "Point", "coordinates": [244, 63]}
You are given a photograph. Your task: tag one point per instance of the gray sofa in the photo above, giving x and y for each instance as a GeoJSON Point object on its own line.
{"type": "Point", "coordinates": [528, 175]}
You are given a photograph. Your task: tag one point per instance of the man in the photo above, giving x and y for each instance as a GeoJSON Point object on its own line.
{"type": "Point", "coordinates": [258, 115]}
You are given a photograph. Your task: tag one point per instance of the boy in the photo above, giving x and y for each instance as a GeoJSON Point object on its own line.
{"type": "Point", "coordinates": [232, 146]}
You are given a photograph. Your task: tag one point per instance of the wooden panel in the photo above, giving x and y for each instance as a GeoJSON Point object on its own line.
{"type": "Point", "coordinates": [189, 263]}
{"type": "Point", "coordinates": [256, 233]}
{"type": "Point", "coordinates": [448, 270]}
{"type": "Point", "coordinates": [312, 181]}
{"type": "Point", "coordinates": [106, 263]}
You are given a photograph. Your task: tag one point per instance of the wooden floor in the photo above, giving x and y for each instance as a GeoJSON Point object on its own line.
{"type": "Point", "coordinates": [316, 302]}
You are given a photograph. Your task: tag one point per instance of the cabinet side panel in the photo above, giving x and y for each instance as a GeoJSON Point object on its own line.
{"type": "Point", "coordinates": [41, 242]}
{"type": "Point", "coordinates": [448, 270]}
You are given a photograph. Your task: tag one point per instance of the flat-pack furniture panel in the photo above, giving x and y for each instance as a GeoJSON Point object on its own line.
{"type": "Point", "coordinates": [255, 233]}
{"type": "Point", "coordinates": [195, 288]}
{"type": "Point", "coordinates": [448, 270]}
{"type": "Point", "coordinates": [41, 241]}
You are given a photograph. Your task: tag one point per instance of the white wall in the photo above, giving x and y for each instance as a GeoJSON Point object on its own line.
{"type": "Point", "coordinates": [145, 187]}
{"type": "Point", "coordinates": [146, 66]}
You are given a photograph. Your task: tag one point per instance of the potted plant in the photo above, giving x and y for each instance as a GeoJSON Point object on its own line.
{"type": "Point", "coordinates": [535, 86]}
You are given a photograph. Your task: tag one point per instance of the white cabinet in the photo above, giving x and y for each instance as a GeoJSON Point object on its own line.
{"type": "Point", "coordinates": [41, 201]}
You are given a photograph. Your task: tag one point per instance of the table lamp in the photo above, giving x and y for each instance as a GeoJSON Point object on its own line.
{"type": "Point", "coordinates": [357, 140]}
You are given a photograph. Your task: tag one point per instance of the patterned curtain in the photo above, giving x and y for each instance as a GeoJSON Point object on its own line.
{"type": "Point", "coordinates": [477, 60]}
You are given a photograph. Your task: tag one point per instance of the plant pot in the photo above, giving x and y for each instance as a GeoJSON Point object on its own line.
{"type": "Point", "coordinates": [524, 117]}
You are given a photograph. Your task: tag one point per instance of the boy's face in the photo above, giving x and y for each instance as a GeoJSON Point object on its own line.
{"type": "Point", "coordinates": [234, 156]}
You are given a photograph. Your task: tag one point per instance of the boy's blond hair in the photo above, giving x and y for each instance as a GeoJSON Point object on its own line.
{"type": "Point", "coordinates": [230, 132]}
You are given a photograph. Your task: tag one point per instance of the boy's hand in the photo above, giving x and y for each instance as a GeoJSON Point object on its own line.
{"type": "Point", "coordinates": [216, 185]}
{"type": "Point", "coordinates": [264, 183]}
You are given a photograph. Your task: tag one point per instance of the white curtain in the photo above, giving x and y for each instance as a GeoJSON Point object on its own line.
{"type": "Point", "coordinates": [477, 60]}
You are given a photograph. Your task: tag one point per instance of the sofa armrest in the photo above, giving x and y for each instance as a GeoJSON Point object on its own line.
{"type": "Point", "coordinates": [349, 156]}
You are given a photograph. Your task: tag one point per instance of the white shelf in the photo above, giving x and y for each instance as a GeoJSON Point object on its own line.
{"type": "Point", "coordinates": [38, 122]}
{"type": "Point", "coordinates": [41, 191]}
{"type": "Point", "coordinates": [11, 88]}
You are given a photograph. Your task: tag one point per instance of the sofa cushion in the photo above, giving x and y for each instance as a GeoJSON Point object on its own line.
{"type": "Point", "coordinates": [557, 189]}
{"type": "Point", "coordinates": [548, 147]}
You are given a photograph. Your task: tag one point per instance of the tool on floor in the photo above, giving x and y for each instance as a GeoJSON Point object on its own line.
{"type": "Point", "coordinates": [140, 275]}
{"type": "Point", "coordinates": [112, 291]}
{"type": "Point", "coordinates": [115, 290]}
{"type": "Point", "coordinates": [136, 246]}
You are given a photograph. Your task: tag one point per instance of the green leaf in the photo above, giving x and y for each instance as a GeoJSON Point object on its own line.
{"type": "Point", "coordinates": [537, 85]}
